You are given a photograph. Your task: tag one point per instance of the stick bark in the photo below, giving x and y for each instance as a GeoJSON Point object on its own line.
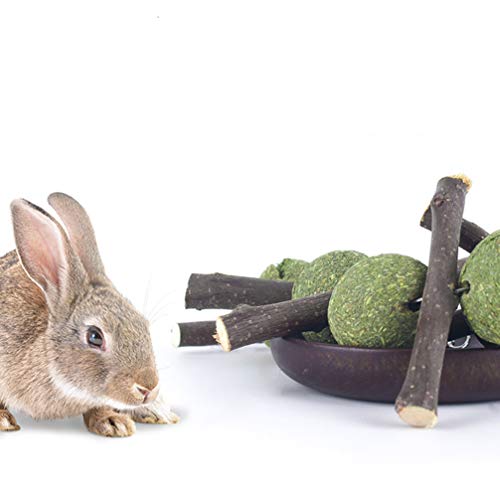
{"type": "Point", "coordinates": [417, 402]}
{"type": "Point", "coordinates": [248, 325]}
{"type": "Point", "coordinates": [203, 333]}
{"type": "Point", "coordinates": [470, 234]}
{"type": "Point", "coordinates": [223, 291]}
{"type": "Point", "coordinates": [193, 334]}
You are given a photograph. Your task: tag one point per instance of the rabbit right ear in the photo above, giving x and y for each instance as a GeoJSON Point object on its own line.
{"type": "Point", "coordinates": [46, 254]}
{"type": "Point", "coordinates": [81, 234]}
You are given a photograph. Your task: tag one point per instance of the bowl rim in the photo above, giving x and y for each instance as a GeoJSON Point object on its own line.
{"type": "Point", "coordinates": [385, 350]}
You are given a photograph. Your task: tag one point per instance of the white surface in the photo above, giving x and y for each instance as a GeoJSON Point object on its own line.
{"type": "Point", "coordinates": [222, 136]}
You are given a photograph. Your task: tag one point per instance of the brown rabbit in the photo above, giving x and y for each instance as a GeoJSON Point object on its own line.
{"type": "Point", "coordinates": [70, 344]}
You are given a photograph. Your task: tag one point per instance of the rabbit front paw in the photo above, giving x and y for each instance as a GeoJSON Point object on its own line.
{"type": "Point", "coordinates": [109, 423]}
{"type": "Point", "coordinates": [7, 421]}
{"type": "Point", "coordinates": [152, 415]}
{"type": "Point", "coordinates": [158, 412]}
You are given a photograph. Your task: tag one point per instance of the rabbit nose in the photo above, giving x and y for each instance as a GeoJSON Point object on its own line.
{"type": "Point", "coordinates": [149, 395]}
{"type": "Point", "coordinates": [145, 392]}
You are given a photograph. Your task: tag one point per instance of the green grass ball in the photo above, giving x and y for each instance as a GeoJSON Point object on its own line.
{"type": "Point", "coordinates": [271, 272]}
{"type": "Point", "coordinates": [323, 273]}
{"type": "Point", "coordinates": [290, 269]}
{"type": "Point", "coordinates": [369, 305]}
{"type": "Point", "coordinates": [481, 304]}
{"type": "Point", "coordinates": [324, 336]}
{"type": "Point", "coordinates": [287, 270]}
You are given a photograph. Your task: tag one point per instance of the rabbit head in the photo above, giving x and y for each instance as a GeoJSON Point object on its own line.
{"type": "Point", "coordinates": [97, 344]}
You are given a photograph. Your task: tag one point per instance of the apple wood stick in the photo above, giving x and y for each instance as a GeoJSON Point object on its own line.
{"type": "Point", "coordinates": [223, 291]}
{"type": "Point", "coordinates": [203, 333]}
{"type": "Point", "coordinates": [470, 234]}
{"type": "Point", "coordinates": [251, 324]}
{"type": "Point", "coordinates": [193, 334]}
{"type": "Point", "coordinates": [417, 401]}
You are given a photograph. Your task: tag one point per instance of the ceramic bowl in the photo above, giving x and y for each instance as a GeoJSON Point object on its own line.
{"type": "Point", "coordinates": [469, 375]}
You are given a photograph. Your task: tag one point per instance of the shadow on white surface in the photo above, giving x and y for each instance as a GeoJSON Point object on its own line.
{"type": "Point", "coordinates": [67, 426]}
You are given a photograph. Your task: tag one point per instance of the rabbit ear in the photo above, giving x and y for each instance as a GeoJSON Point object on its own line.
{"type": "Point", "coordinates": [46, 254]}
{"type": "Point", "coordinates": [81, 234]}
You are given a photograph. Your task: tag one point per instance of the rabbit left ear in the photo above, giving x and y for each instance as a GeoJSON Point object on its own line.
{"type": "Point", "coordinates": [46, 254]}
{"type": "Point", "coordinates": [81, 234]}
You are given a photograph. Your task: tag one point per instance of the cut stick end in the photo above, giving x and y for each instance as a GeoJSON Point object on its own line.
{"type": "Point", "coordinates": [416, 416]}
{"type": "Point", "coordinates": [175, 335]}
{"type": "Point", "coordinates": [222, 336]}
{"type": "Point", "coordinates": [466, 180]}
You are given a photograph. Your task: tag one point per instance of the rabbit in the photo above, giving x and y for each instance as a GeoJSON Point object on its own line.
{"type": "Point", "coordinates": [70, 344]}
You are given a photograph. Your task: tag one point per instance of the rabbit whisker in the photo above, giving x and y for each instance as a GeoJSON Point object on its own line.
{"type": "Point", "coordinates": [164, 307]}
{"type": "Point", "coordinates": [160, 303]}
{"type": "Point", "coordinates": [157, 318]}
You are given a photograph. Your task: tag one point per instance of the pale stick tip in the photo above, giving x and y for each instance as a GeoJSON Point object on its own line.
{"type": "Point", "coordinates": [464, 178]}
{"type": "Point", "coordinates": [175, 335]}
{"type": "Point", "coordinates": [222, 336]}
{"type": "Point", "coordinates": [416, 416]}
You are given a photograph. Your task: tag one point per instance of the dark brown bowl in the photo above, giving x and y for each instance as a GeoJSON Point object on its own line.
{"type": "Point", "coordinates": [469, 375]}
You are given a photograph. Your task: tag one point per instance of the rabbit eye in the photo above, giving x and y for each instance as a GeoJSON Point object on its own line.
{"type": "Point", "coordinates": [95, 337]}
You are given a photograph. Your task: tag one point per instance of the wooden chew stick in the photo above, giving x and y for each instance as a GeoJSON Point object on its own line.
{"type": "Point", "coordinates": [201, 287]}
{"type": "Point", "coordinates": [470, 234]}
{"type": "Point", "coordinates": [194, 334]}
{"type": "Point", "coordinates": [251, 324]}
{"type": "Point", "coordinates": [417, 401]}
{"type": "Point", "coordinates": [202, 333]}
{"type": "Point", "coordinates": [222, 291]}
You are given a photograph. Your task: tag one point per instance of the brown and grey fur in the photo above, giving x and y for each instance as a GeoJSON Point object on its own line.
{"type": "Point", "coordinates": [48, 298]}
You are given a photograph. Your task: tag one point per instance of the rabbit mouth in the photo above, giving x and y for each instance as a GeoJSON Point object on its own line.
{"type": "Point", "coordinates": [148, 395]}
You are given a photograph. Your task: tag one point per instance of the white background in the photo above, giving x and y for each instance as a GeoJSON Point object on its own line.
{"type": "Point", "coordinates": [222, 136]}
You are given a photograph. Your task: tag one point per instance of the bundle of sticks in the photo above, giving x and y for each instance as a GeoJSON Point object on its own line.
{"type": "Point", "coordinates": [263, 309]}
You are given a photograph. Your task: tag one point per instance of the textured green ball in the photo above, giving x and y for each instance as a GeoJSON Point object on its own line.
{"type": "Point", "coordinates": [287, 269]}
{"type": "Point", "coordinates": [369, 305]}
{"type": "Point", "coordinates": [290, 269]}
{"type": "Point", "coordinates": [270, 273]}
{"type": "Point", "coordinates": [324, 335]}
{"type": "Point", "coordinates": [481, 273]}
{"type": "Point", "coordinates": [323, 273]}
